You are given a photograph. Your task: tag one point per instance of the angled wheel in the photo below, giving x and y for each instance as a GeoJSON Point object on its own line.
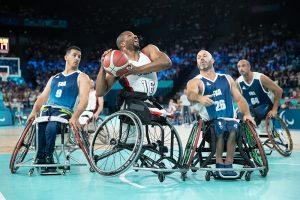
{"type": "Point", "coordinates": [279, 135]}
{"type": "Point", "coordinates": [255, 148]}
{"type": "Point", "coordinates": [125, 137]}
{"type": "Point", "coordinates": [162, 148]}
{"type": "Point", "coordinates": [22, 146]}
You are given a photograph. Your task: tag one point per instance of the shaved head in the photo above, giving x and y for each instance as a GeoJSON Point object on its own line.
{"type": "Point", "coordinates": [205, 60]}
{"type": "Point", "coordinates": [244, 67]}
{"type": "Point", "coordinates": [121, 38]}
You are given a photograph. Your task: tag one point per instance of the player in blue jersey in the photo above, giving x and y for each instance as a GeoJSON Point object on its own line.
{"type": "Point", "coordinates": [215, 94]}
{"type": "Point", "coordinates": [261, 93]}
{"type": "Point", "coordinates": [62, 93]}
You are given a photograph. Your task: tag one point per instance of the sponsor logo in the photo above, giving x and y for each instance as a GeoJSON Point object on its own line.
{"type": "Point", "coordinates": [208, 84]}
{"type": "Point", "coordinates": [244, 88]}
{"type": "Point", "coordinates": [2, 119]}
{"type": "Point", "coordinates": [287, 121]}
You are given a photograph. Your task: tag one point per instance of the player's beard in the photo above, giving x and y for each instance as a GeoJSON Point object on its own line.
{"type": "Point", "coordinates": [205, 68]}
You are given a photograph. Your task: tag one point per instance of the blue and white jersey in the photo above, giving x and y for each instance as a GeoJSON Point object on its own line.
{"type": "Point", "coordinates": [64, 90]}
{"type": "Point", "coordinates": [254, 93]}
{"type": "Point", "coordinates": [220, 88]}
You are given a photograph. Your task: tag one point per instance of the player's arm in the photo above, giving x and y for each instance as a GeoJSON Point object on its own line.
{"type": "Point", "coordinates": [100, 106]}
{"type": "Point", "coordinates": [160, 61]}
{"type": "Point", "coordinates": [194, 88]}
{"type": "Point", "coordinates": [84, 90]}
{"type": "Point", "coordinates": [104, 80]}
{"type": "Point", "coordinates": [273, 87]}
{"type": "Point", "coordinates": [42, 98]}
{"type": "Point", "coordinates": [240, 100]}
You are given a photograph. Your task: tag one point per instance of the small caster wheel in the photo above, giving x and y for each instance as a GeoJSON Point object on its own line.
{"type": "Point", "coordinates": [67, 157]}
{"type": "Point", "coordinates": [67, 168]}
{"type": "Point", "coordinates": [30, 172]}
{"type": "Point", "coordinates": [63, 172]}
{"type": "Point", "coordinates": [136, 165]}
{"type": "Point", "coordinates": [207, 176]}
{"type": "Point", "coordinates": [92, 170]}
{"type": "Point", "coordinates": [161, 177]}
{"type": "Point", "coordinates": [248, 176]}
{"type": "Point", "coordinates": [194, 170]}
{"type": "Point", "coordinates": [183, 176]}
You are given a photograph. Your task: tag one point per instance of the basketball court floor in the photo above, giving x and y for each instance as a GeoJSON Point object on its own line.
{"type": "Point", "coordinates": [282, 181]}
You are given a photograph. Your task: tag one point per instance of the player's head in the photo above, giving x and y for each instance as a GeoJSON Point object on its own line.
{"type": "Point", "coordinates": [244, 67]}
{"type": "Point", "coordinates": [73, 56]}
{"type": "Point", "coordinates": [205, 60]}
{"type": "Point", "coordinates": [128, 40]}
{"type": "Point", "coordinates": [92, 84]}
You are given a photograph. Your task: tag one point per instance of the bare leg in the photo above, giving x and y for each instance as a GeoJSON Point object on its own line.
{"type": "Point", "coordinates": [231, 144]}
{"type": "Point", "coordinates": [219, 149]}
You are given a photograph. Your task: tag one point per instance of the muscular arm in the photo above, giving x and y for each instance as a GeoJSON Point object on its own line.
{"type": "Point", "coordinates": [273, 87]}
{"type": "Point", "coordinates": [104, 82]}
{"type": "Point", "coordinates": [238, 97]}
{"type": "Point", "coordinates": [160, 60]}
{"type": "Point", "coordinates": [84, 89]}
{"type": "Point", "coordinates": [194, 87]}
{"type": "Point", "coordinates": [42, 98]}
{"type": "Point", "coordinates": [100, 105]}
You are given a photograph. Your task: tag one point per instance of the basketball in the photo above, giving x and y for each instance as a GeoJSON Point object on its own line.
{"type": "Point", "coordinates": [115, 63]}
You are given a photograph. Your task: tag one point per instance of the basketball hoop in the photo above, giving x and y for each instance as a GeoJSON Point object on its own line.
{"type": "Point", "coordinates": [4, 76]}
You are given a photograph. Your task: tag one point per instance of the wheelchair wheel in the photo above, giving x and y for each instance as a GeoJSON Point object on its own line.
{"type": "Point", "coordinates": [255, 148]}
{"type": "Point", "coordinates": [162, 147]}
{"type": "Point", "coordinates": [22, 146]}
{"type": "Point", "coordinates": [123, 146]}
{"type": "Point", "coordinates": [279, 136]}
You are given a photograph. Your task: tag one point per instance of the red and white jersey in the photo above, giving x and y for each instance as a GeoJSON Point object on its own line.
{"type": "Point", "coordinates": [146, 83]}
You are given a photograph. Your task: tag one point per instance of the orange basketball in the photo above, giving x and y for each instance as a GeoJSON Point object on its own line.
{"type": "Point", "coordinates": [115, 63]}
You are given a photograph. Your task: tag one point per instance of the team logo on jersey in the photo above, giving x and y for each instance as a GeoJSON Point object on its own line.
{"type": "Point", "coordinates": [208, 84]}
{"type": "Point", "coordinates": [62, 84]}
{"type": "Point", "coordinates": [244, 88]}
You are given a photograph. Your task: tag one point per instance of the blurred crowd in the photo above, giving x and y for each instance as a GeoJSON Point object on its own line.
{"type": "Point", "coordinates": [271, 49]}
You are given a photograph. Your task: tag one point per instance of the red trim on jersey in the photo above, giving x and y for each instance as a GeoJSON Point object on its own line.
{"type": "Point", "coordinates": [125, 83]}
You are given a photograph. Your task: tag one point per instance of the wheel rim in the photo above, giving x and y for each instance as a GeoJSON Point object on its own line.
{"type": "Point", "coordinates": [279, 136]}
{"type": "Point", "coordinates": [122, 146]}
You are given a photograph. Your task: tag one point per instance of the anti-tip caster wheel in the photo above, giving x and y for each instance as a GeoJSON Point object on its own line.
{"type": "Point", "coordinates": [207, 176]}
{"type": "Point", "coordinates": [161, 177]}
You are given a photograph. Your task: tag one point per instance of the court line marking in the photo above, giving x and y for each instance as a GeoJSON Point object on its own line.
{"type": "Point", "coordinates": [122, 177]}
{"type": "Point", "coordinates": [292, 164]}
{"type": "Point", "coordinates": [1, 196]}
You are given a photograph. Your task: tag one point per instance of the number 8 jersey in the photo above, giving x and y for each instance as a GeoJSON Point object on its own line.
{"type": "Point", "coordinates": [145, 83]}
{"type": "Point", "coordinates": [64, 90]}
{"type": "Point", "coordinates": [220, 89]}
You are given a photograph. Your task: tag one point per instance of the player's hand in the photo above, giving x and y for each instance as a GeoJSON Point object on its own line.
{"type": "Point", "coordinates": [74, 124]}
{"type": "Point", "coordinates": [32, 115]}
{"type": "Point", "coordinates": [129, 70]}
{"type": "Point", "coordinates": [96, 115]}
{"type": "Point", "coordinates": [272, 113]}
{"type": "Point", "coordinates": [206, 100]}
{"type": "Point", "coordinates": [250, 118]}
{"type": "Point", "coordinates": [103, 55]}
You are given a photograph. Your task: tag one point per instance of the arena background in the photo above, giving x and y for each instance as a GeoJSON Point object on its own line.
{"type": "Point", "coordinates": [35, 34]}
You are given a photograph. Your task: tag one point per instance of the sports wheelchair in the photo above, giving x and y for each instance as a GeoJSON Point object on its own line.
{"type": "Point", "coordinates": [201, 148]}
{"type": "Point", "coordinates": [25, 151]}
{"type": "Point", "coordinates": [140, 135]}
{"type": "Point", "coordinates": [277, 136]}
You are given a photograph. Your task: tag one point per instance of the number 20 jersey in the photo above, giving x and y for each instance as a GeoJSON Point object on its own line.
{"type": "Point", "coordinates": [64, 90]}
{"type": "Point", "coordinates": [220, 89]}
{"type": "Point", "coordinates": [254, 93]}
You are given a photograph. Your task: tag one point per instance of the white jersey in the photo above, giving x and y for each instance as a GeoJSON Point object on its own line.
{"type": "Point", "coordinates": [92, 101]}
{"type": "Point", "coordinates": [146, 83]}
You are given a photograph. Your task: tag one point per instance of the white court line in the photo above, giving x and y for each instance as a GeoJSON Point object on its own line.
{"type": "Point", "coordinates": [292, 164]}
{"type": "Point", "coordinates": [123, 179]}
{"type": "Point", "coordinates": [2, 197]}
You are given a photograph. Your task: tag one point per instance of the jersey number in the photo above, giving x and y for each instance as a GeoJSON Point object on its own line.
{"type": "Point", "coordinates": [254, 101]}
{"type": "Point", "coordinates": [58, 93]}
{"type": "Point", "coordinates": [148, 86]}
{"type": "Point", "coordinates": [220, 105]}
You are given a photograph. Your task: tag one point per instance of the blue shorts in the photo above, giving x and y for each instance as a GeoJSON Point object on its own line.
{"type": "Point", "coordinates": [225, 126]}
{"type": "Point", "coordinates": [260, 112]}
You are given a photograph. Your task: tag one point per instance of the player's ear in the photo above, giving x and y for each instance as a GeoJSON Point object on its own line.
{"type": "Point", "coordinates": [212, 61]}
{"type": "Point", "coordinates": [65, 57]}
